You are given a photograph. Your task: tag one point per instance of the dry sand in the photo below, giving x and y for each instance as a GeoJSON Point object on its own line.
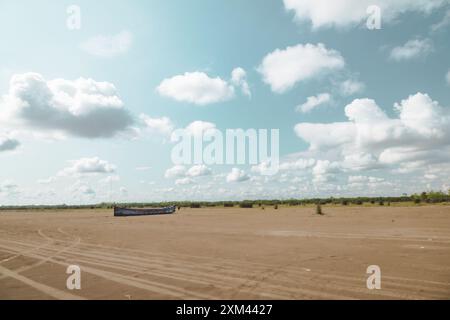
{"type": "Point", "coordinates": [228, 253]}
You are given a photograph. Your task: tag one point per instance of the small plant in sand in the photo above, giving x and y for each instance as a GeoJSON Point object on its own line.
{"type": "Point", "coordinates": [319, 209]}
{"type": "Point", "coordinates": [275, 207]}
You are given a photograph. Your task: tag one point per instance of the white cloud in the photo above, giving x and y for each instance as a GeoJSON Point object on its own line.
{"type": "Point", "coordinates": [46, 181]}
{"type": "Point", "coordinates": [161, 126]}
{"type": "Point", "coordinates": [239, 79]}
{"type": "Point", "coordinates": [8, 188]}
{"type": "Point", "coordinates": [108, 46]}
{"type": "Point", "coordinates": [443, 23]}
{"type": "Point", "coordinates": [313, 102]}
{"type": "Point", "coordinates": [412, 49]}
{"type": "Point", "coordinates": [175, 171]}
{"type": "Point", "coordinates": [447, 77]}
{"type": "Point", "coordinates": [282, 69]}
{"type": "Point", "coordinates": [83, 107]}
{"type": "Point", "coordinates": [297, 165]}
{"type": "Point", "coordinates": [364, 179]}
{"type": "Point", "coordinates": [237, 175]}
{"type": "Point", "coordinates": [197, 88]}
{"type": "Point", "coordinates": [324, 171]}
{"type": "Point", "coordinates": [184, 181]}
{"type": "Point", "coordinates": [198, 170]}
{"type": "Point", "coordinates": [7, 143]}
{"type": "Point", "coordinates": [342, 13]}
{"type": "Point", "coordinates": [350, 87]}
{"type": "Point", "coordinates": [87, 166]}
{"type": "Point", "coordinates": [110, 179]}
{"type": "Point", "coordinates": [84, 190]}
{"type": "Point", "coordinates": [184, 175]}
{"type": "Point", "coordinates": [370, 139]}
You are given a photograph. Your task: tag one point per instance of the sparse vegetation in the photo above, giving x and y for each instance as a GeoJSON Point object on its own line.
{"type": "Point", "coordinates": [319, 209]}
{"type": "Point", "coordinates": [431, 197]}
{"type": "Point", "coordinates": [246, 204]}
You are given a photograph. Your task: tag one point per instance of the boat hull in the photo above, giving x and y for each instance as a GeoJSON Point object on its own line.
{"type": "Point", "coordinates": [125, 212]}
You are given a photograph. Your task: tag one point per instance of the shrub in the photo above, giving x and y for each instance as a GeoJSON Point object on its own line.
{"type": "Point", "coordinates": [319, 209]}
{"type": "Point", "coordinates": [195, 205]}
{"type": "Point", "coordinates": [417, 201]}
{"type": "Point", "coordinates": [381, 203]}
{"type": "Point", "coordinates": [228, 205]}
{"type": "Point", "coordinates": [344, 202]}
{"type": "Point", "coordinates": [246, 205]}
{"type": "Point", "coordinates": [275, 207]}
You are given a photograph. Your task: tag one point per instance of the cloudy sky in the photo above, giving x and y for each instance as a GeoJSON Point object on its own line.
{"type": "Point", "coordinates": [86, 114]}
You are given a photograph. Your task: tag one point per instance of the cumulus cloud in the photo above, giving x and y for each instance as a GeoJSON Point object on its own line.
{"type": "Point", "coordinates": [7, 143]}
{"type": "Point", "coordinates": [350, 87]}
{"type": "Point", "coordinates": [298, 164]}
{"type": "Point", "coordinates": [314, 102]}
{"type": "Point", "coordinates": [175, 171]}
{"type": "Point", "coordinates": [325, 171]}
{"type": "Point", "coordinates": [419, 136]}
{"type": "Point", "coordinates": [197, 88]}
{"type": "Point", "coordinates": [282, 69]}
{"type": "Point", "coordinates": [364, 179]}
{"type": "Point", "coordinates": [108, 46]}
{"type": "Point", "coordinates": [180, 171]}
{"type": "Point", "coordinates": [239, 79]}
{"type": "Point", "coordinates": [8, 188]}
{"type": "Point", "coordinates": [325, 13]}
{"type": "Point", "coordinates": [83, 107]}
{"type": "Point", "coordinates": [412, 49]}
{"type": "Point", "coordinates": [198, 170]}
{"type": "Point", "coordinates": [88, 166]}
{"type": "Point", "coordinates": [184, 181]}
{"type": "Point", "coordinates": [237, 175]}
{"type": "Point", "coordinates": [160, 126]}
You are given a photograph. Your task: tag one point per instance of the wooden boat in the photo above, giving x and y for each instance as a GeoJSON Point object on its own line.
{"type": "Point", "coordinates": [125, 212]}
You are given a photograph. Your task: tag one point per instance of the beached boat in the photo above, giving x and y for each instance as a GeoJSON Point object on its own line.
{"type": "Point", "coordinates": [124, 212]}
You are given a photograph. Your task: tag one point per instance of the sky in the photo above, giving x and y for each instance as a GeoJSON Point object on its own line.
{"type": "Point", "coordinates": [91, 93]}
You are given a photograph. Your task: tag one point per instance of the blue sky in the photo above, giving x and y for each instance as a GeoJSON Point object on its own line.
{"type": "Point", "coordinates": [314, 71]}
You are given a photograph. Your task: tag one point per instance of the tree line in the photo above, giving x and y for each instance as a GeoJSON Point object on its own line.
{"type": "Point", "coordinates": [424, 197]}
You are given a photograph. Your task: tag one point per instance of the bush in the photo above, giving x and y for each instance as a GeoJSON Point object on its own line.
{"type": "Point", "coordinates": [319, 209]}
{"type": "Point", "coordinates": [381, 203]}
{"type": "Point", "coordinates": [195, 205]}
{"type": "Point", "coordinates": [344, 202]}
{"type": "Point", "coordinates": [417, 201]}
{"type": "Point", "coordinates": [275, 207]}
{"type": "Point", "coordinates": [228, 205]}
{"type": "Point", "coordinates": [246, 205]}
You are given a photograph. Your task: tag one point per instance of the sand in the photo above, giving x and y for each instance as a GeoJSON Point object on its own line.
{"type": "Point", "coordinates": [228, 253]}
